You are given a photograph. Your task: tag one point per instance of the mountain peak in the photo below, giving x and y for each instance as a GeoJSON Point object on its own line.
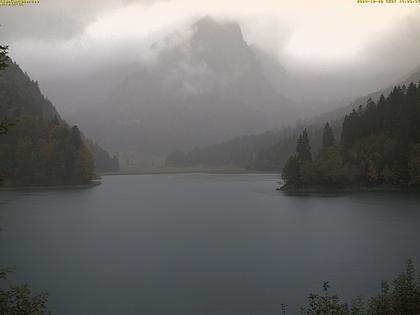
{"type": "Point", "coordinates": [210, 82]}
{"type": "Point", "coordinates": [221, 46]}
{"type": "Point", "coordinates": [210, 26]}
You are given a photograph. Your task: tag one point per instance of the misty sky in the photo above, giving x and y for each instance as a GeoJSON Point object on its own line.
{"type": "Point", "coordinates": [376, 43]}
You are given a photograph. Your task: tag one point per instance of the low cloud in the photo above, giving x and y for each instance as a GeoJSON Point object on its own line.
{"type": "Point", "coordinates": [397, 52]}
{"type": "Point", "coordinates": [49, 39]}
{"type": "Point", "coordinates": [55, 20]}
{"type": "Point", "coordinates": [49, 20]}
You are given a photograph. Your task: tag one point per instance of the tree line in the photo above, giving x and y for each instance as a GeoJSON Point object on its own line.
{"type": "Point", "coordinates": [39, 152]}
{"type": "Point", "coordinates": [379, 147]}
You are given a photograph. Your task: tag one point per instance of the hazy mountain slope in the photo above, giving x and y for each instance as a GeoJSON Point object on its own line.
{"type": "Point", "coordinates": [339, 113]}
{"type": "Point", "coordinates": [270, 150]}
{"type": "Point", "coordinates": [203, 90]}
{"type": "Point", "coordinates": [267, 151]}
{"type": "Point", "coordinates": [104, 162]}
{"type": "Point", "coordinates": [238, 151]}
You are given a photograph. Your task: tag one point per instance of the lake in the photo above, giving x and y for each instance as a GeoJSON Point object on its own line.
{"type": "Point", "coordinates": [202, 244]}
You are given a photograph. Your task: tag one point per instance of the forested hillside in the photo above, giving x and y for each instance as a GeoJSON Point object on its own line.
{"type": "Point", "coordinates": [379, 147]}
{"type": "Point", "coordinates": [40, 148]}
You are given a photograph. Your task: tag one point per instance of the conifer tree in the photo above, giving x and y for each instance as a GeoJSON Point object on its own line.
{"type": "Point", "coordinates": [303, 148]}
{"type": "Point", "coordinates": [4, 125]}
{"type": "Point", "coordinates": [328, 138]}
{"type": "Point", "coordinates": [3, 57]}
{"type": "Point", "coordinates": [291, 171]}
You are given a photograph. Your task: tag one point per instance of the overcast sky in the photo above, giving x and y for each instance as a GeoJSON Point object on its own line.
{"type": "Point", "coordinates": [314, 36]}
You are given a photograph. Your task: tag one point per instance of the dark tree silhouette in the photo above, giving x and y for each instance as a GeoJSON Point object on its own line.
{"type": "Point", "coordinates": [303, 148]}
{"type": "Point", "coordinates": [291, 171]}
{"type": "Point", "coordinates": [328, 138]}
{"type": "Point", "coordinates": [4, 123]}
{"type": "Point", "coordinates": [3, 57]}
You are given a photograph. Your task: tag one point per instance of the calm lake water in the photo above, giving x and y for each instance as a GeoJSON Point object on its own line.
{"type": "Point", "coordinates": [202, 244]}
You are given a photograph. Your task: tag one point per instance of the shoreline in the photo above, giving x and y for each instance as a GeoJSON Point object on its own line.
{"type": "Point", "coordinates": [91, 184]}
{"type": "Point", "coordinates": [97, 181]}
{"type": "Point", "coordinates": [347, 189]}
{"type": "Point", "coordinates": [187, 171]}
